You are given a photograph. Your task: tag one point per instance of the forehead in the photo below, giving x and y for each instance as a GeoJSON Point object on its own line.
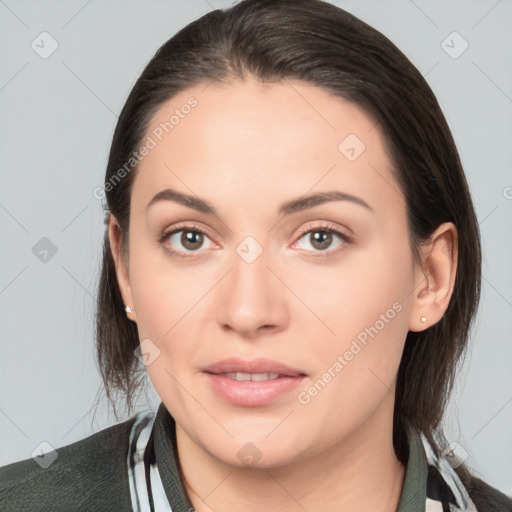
{"type": "Point", "coordinates": [263, 140]}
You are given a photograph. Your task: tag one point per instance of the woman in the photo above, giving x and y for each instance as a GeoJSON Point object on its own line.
{"type": "Point", "coordinates": [292, 255]}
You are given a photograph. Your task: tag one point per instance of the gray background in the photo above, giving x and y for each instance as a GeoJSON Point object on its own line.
{"type": "Point", "coordinates": [58, 116]}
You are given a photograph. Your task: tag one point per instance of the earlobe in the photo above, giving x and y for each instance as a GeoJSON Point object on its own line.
{"type": "Point", "coordinates": [435, 278]}
{"type": "Point", "coordinates": [122, 273]}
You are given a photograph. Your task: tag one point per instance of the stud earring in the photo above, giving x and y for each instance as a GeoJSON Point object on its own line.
{"type": "Point", "coordinates": [423, 319]}
{"type": "Point", "coordinates": [128, 309]}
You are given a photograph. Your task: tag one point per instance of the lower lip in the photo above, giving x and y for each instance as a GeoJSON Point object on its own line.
{"type": "Point", "coordinates": [252, 393]}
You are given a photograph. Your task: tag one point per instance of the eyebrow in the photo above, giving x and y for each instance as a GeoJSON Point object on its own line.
{"type": "Point", "coordinates": [287, 208]}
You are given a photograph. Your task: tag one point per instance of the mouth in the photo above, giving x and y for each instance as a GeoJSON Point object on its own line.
{"type": "Point", "coordinates": [252, 383]}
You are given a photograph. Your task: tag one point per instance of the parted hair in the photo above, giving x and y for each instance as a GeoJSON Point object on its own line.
{"type": "Point", "coordinates": [322, 45]}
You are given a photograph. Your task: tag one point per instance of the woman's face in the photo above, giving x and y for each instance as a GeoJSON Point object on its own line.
{"type": "Point", "coordinates": [303, 275]}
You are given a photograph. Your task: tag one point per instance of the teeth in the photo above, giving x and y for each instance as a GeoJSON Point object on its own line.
{"type": "Point", "coordinates": [251, 376]}
{"type": "Point", "coordinates": [264, 376]}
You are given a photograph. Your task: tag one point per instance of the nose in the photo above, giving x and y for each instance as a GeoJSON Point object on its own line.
{"type": "Point", "coordinates": [252, 299]}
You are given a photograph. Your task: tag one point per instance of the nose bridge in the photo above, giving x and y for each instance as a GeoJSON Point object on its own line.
{"type": "Point", "coordinates": [252, 296]}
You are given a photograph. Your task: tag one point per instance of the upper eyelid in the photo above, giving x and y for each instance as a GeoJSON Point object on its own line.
{"type": "Point", "coordinates": [185, 227]}
{"type": "Point", "coordinates": [327, 225]}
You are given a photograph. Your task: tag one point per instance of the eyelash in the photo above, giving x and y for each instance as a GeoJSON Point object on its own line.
{"type": "Point", "coordinates": [324, 228]}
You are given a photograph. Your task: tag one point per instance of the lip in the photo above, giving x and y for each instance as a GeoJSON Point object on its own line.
{"type": "Point", "coordinates": [252, 393]}
{"type": "Point", "coordinates": [234, 364]}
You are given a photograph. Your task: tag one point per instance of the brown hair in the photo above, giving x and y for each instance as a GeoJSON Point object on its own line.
{"type": "Point", "coordinates": [320, 44]}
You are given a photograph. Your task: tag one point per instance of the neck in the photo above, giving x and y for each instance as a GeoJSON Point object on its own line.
{"type": "Point", "coordinates": [361, 472]}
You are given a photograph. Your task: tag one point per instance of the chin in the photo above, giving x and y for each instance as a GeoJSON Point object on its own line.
{"type": "Point", "coordinates": [258, 454]}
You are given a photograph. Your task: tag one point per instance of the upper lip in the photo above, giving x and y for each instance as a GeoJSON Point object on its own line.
{"type": "Point", "coordinates": [236, 365]}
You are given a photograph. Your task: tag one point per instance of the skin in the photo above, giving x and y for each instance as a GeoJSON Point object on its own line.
{"type": "Point", "coordinates": [246, 148]}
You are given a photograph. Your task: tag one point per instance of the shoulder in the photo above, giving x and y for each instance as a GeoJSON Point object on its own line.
{"type": "Point", "coordinates": [90, 474]}
{"type": "Point", "coordinates": [484, 496]}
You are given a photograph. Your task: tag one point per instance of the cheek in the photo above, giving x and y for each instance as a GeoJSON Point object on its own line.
{"type": "Point", "coordinates": [164, 293]}
{"type": "Point", "coordinates": [366, 307]}
{"type": "Point", "coordinates": [169, 314]}
{"type": "Point", "coordinates": [355, 374]}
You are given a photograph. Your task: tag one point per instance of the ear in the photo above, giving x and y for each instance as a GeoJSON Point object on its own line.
{"type": "Point", "coordinates": [122, 270]}
{"type": "Point", "coordinates": [435, 282]}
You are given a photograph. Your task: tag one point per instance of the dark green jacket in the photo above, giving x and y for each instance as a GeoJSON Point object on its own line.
{"type": "Point", "coordinates": [92, 475]}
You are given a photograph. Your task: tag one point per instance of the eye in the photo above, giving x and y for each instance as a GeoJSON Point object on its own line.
{"type": "Point", "coordinates": [190, 237]}
{"type": "Point", "coordinates": [322, 237]}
